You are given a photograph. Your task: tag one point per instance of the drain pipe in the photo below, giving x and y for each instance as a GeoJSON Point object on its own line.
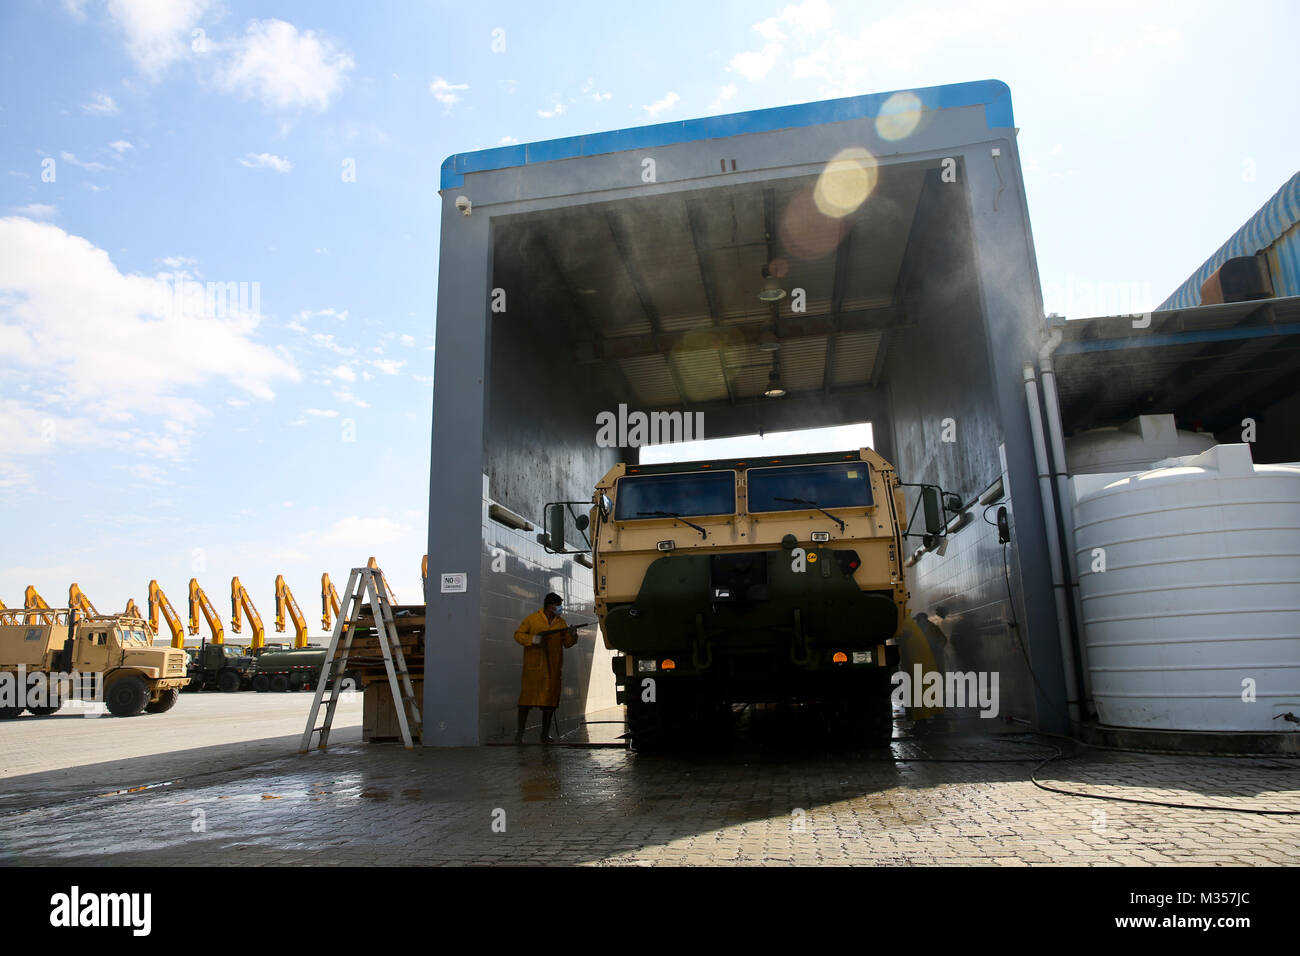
{"type": "Point", "coordinates": [1065, 502]}
{"type": "Point", "coordinates": [1053, 545]}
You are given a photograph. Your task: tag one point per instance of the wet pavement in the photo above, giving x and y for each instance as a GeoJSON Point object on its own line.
{"type": "Point", "coordinates": [929, 800]}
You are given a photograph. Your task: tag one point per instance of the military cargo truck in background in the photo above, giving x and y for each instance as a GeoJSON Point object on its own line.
{"type": "Point", "coordinates": [114, 651]}
{"type": "Point", "coordinates": [762, 580]}
{"type": "Point", "coordinates": [226, 667]}
{"type": "Point", "coordinates": [287, 669]}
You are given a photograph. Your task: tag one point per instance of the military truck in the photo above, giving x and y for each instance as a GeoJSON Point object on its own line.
{"type": "Point", "coordinates": [762, 580]}
{"type": "Point", "coordinates": [287, 669]}
{"type": "Point", "coordinates": [42, 650]}
{"type": "Point", "coordinates": [227, 667]}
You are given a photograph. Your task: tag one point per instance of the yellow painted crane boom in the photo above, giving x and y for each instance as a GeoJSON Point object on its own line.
{"type": "Point", "coordinates": [132, 609]}
{"type": "Point", "coordinates": [372, 565]}
{"type": "Point", "coordinates": [329, 600]}
{"type": "Point", "coordinates": [284, 599]}
{"type": "Point", "coordinates": [199, 602]}
{"type": "Point", "coordinates": [79, 602]}
{"type": "Point", "coordinates": [239, 600]}
{"type": "Point", "coordinates": [32, 601]}
{"type": "Point", "coordinates": [158, 601]}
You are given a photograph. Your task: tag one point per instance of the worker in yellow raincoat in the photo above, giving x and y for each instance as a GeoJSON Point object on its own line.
{"type": "Point", "coordinates": [543, 635]}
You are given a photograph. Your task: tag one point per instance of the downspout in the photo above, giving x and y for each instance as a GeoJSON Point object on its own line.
{"type": "Point", "coordinates": [1065, 502]}
{"type": "Point", "coordinates": [1053, 545]}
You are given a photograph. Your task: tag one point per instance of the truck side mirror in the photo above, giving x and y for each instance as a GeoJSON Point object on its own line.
{"type": "Point", "coordinates": [555, 526]}
{"type": "Point", "coordinates": [932, 503]}
{"type": "Point", "coordinates": [560, 516]}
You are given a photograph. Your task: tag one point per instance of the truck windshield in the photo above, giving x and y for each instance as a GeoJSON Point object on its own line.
{"type": "Point", "coordinates": [128, 636]}
{"type": "Point", "coordinates": [232, 650]}
{"type": "Point", "coordinates": [691, 495]}
{"type": "Point", "coordinates": [840, 485]}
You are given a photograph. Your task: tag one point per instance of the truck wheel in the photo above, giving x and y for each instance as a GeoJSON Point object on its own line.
{"type": "Point", "coordinates": [228, 682]}
{"type": "Point", "coordinates": [165, 702]}
{"type": "Point", "coordinates": [874, 717]}
{"type": "Point", "coordinates": [127, 696]}
{"type": "Point", "coordinates": [279, 683]}
{"type": "Point", "coordinates": [295, 681]}
{"type": "Point", "coordinates": [195, 684]}
{"type": "Point", "coordinates": [42, 711]}
{"type": "Point", "coordinates": [261, 683]}
{"type": "Point", "coordinates": [9, 713]}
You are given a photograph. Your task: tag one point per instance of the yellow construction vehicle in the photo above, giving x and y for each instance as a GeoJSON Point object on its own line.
{"type": "Point", "coordinates": [329, 601]}
{"type": "Point", "coordinates": [132, 609]}
{"type": "Point", "coordinates": [157, 601]}
{"type": "Point", "coordinates": [240, 601]}
{"type": "Point", "coordinates": [284, 599]}
{"type": "Point", "coordinates": [199, 602]}
{"type": "Point", "coordinates": [79, 602]}
{"type": "Point", "coordinates": [32, 601]}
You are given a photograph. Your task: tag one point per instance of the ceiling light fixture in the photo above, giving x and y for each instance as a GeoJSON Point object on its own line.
{"type": "Point", "coordinates": [771, 291]}
{"type": "Point", "coordinates": [774, 387]}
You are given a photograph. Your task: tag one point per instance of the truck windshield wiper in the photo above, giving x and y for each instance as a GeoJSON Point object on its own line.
{"type": "Point", "coordinates": [805, 501]}
{"type": "Point", "coordinates": [673, 514]}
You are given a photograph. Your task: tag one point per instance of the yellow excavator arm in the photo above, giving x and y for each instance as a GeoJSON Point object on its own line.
{"type": "Point", "coordinates": [374, 566]}
{"type": "Point", "coordinates": [32, 601]}
{"type": "Point", "coordinates": [132, 609]}
{"type": "Point", "coordinates": [79, 602]}
{"type": "Point", "coordinates": [239, 600]}
{"type": "Point", "coordinates": [329, 601]}
{"type": "Point", "coordinates": [158, 601]}
{"type": "Point", "coordinates": [199, 602]}
{"type": "Point", "coordinates": [284, 599]}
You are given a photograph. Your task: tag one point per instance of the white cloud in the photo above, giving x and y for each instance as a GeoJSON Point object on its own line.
{"type": "Point", "coordinates": [346, 395]}
{"type": "Point", "coordinates": [180, 263]}
{"type": "Point", "coordinates": [658, 106]}
{"type": "Point", "coordinates": [807, 18]}
{"type": "Point", "coordinates": [558, 111]}
{"type": "Point", "coordinates": [120, 146]}
{"type": "Point", "coordinates": [101, 104]}
{"type": "Point", "coordinates": [507, 141]}
{"type": "Point", "coordinates": [37, 210]}
{"type": "Point", "coordinates": [725, 94]}
{"type": "Point", "coordinates": [407, 340]}
{"type": "Point", "coordinates": [321, 412]}
{"type": "Point", "coordinates": [306, 315]}
{"type": "Point", "coordinates": [327, 342]}
{"type": "Point", "coordinates": [445, 93]}
{"type": "Point", "coordinates": [73, 323]}
{"type": "Point", "coordinates": [387, 366]}
{"type": "Point", "coordinates": [285, 69]}
{"type": "Point", "coordinates": [344, 372]}
{"type": "Point", "coordinates": [157, 31]}
{"type": "Point", "coordinates": [266, 161]}
{"type": "Point", "coordinates": [754, 65]}
{"type": "Point", "coordinates": [84, 164]}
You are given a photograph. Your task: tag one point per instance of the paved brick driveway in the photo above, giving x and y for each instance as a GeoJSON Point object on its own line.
{"type": "Point", "coordinates": [932, 801]}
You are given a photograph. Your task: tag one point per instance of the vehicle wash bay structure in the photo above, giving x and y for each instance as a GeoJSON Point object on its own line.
{"type": "Point", "coordinates": [866, 259]}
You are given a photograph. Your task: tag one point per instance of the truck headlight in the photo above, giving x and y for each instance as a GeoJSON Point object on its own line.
{"type": "Point", "coordinates": [647, 667]}
{"type": "Point", "coordinates": [862, 657]}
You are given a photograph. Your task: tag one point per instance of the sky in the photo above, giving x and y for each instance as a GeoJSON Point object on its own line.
{"type": "Point", "coordinates": [282, 425]}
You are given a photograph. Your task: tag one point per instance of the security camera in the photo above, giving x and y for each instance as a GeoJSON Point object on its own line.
{"type": "Point", "coordinates": [463, 204]}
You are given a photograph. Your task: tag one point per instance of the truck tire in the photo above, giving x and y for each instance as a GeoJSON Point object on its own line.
{"type": "Point", "coordinates": [279, 683]}
{"type": "Point", "coordinates": [9, 713]}
{"type": "Point", "coordinates": [127, 696]}
{"type": "Point", "coordinates": [42, 711]}
{"type": "Point", "coordinates": [165, 702]}
{"type": "Point", "coordinates": [228, 682]}
{"type": "Point", "coordinates": [261, 683]}
{"type": "Point", "coordinates": [195, 684]}
{"type": "Point", "coordinates": [296, 681]}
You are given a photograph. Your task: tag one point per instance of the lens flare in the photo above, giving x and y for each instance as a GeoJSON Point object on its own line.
{"type": "Point", "coordinates": [899, 117]}
{"type": "Point", "coordinates": [846, 182]}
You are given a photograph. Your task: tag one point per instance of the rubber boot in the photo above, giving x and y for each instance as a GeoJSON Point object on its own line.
{"type": "Point", "coordinates": [519, 728]}
{"type": "Point", "coordinates": [547, 714]}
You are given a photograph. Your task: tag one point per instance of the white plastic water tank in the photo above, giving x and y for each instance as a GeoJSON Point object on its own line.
{"type": "Point", "coordinates": [1194, 623]}
{"type": "Point", "coordinates": [1134, 446]}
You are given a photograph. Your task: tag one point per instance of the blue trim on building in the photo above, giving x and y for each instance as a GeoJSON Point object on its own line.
{"type": "Point", "coordinates": [1177, 338]}
{"type": "Point", "coordinates": [1274, 219]}
{"type": "Point", "coordinates": [993, 95]}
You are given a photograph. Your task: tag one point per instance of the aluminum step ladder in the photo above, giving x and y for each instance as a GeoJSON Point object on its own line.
{"type": "Point", "coordinates": [363, 584]}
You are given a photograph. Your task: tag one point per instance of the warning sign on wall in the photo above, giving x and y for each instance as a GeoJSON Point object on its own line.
{"type": "Point", "coordinates": [455, 583]}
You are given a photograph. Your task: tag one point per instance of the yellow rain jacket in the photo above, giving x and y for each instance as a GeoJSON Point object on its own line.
{"type": "Point", "coordinates": [540, 686]}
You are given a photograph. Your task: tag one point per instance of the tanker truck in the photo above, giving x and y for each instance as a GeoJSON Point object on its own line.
{"type": "Point", "coordinates": [762, 580]}
{"type": "Point", "coordinates": [51, 656]}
